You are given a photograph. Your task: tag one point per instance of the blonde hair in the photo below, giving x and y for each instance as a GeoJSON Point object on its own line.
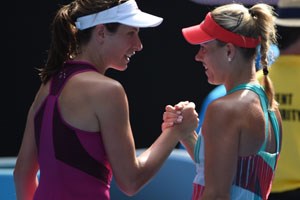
{"type": "Point", "coordinates": [257, 22]}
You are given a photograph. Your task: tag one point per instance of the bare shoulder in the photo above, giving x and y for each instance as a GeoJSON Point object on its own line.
{"type": "Point", "coordinates": [238, 103]}
{"type": "Point", "coordinates": [225, 108]}
{"type": "Point", "coordinates": [233, 112]}
{"type": "Point", "coordinates": [89, 97]}
{"type": "Point", "coordinates": [109, 91]}
{"type": "Point", "coordinates": [107, 98]}
{"type": "Point", "coordinates": [221, 119]}
{"type": "Point", "coordinates": [105, 93]}
{"type": "Point", "coordinates": [240, 116]}
{"type": "Point", "coordinates": [94, 87]}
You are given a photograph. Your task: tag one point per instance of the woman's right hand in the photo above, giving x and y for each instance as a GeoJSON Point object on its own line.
{"type": "Point", "coordinates": [182, 118]}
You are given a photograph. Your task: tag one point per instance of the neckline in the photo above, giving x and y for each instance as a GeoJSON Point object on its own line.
{"type": "Point", "coordinates": [80, 62]}
{"type": "Point", "coordinates": [242, 85]}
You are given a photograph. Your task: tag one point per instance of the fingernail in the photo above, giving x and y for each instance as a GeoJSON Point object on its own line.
{"type": "Point", "coordinates": [179, 119]}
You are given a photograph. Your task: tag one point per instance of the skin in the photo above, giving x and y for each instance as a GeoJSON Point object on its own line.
{"type": "Point", "coordinates": [98, 103]}
{"type": "Point", "coordinates": [228, 124]}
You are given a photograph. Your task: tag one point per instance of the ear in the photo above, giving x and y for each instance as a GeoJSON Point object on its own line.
{"type": "Point", "coordinates": [230, 51]}
{"type": "Point", "coordinates": [100, 32]}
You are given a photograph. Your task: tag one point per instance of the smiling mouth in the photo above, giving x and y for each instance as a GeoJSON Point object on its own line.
{"type": "Point", "coordinates": [128, 56]}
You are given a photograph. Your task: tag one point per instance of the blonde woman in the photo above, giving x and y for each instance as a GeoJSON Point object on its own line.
{"type": "Point", "coordinates": [237, 149]}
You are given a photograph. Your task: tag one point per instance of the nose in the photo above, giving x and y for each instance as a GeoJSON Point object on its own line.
{"type": "Point", "coordinates": [138, 44]}
{"type": "Point", "coordinates": [200, 55]}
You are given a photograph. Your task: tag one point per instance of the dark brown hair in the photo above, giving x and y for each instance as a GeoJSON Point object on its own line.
{"type": "Point", "coordinates": [66, 39]}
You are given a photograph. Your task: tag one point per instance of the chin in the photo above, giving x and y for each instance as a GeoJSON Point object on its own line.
{"type": "Point", "coordinates": [120, 67]}
{"type": "Point", "coordinates": [212, 82]}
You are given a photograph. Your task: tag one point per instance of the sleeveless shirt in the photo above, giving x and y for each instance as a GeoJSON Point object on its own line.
{"type": "Point", "coordinates": [285, 73]}
{"type": "Point", "coordinates": [73, 163]}
{"type": "Point", "coordinates": [254, 173]}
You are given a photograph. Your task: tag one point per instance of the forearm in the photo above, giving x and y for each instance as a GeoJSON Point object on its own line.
{"type": "Point", "coordinates": [151, 160]}
{"type": "Point", "coordinates": [189, 143]}
{"type": "Point", "coordinates": [25, 187]}
{"type": "Point", "coordinates": [131, 177]}
{"type": "Point", "coordinates": [25, 177]}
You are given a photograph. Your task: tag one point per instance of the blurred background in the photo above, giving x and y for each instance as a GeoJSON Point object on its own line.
{"type": "Point", "coordinates": [164, 72]}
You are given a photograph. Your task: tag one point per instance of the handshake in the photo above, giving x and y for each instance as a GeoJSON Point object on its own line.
{"type": "Point", "coordinates": [181, 118]}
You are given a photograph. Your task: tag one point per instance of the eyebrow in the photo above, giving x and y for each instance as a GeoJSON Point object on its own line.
{"type": "Point", "coordinates": [135, 29]}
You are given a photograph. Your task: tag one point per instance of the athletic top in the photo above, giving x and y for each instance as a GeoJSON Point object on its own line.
{"type": "Point", "coordinates": [73, 163]}
{"type": "Point", "coordinates": [285, 73]}
{"type": "Point", "coordinates": [254, 173]}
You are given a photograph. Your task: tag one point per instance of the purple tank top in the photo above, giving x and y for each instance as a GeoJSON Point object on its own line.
{"type": "Point", "coordinates": [73, 163]}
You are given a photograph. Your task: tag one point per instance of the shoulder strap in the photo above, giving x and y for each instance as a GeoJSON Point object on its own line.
{"type": "Point", "coordinates": [69, 69]}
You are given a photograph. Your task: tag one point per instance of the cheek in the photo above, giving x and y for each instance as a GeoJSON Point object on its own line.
{"type": "Point", "coordinates": [218, 58]}
{"type": "Point", "coordinates": [212, 59]}
{"type": "Point", "coordinates": [215, 64]}
{"type": "Point", "coordinates": [116, 48]}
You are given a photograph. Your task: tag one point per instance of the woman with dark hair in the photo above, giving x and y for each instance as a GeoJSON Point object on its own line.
{"type": "Point", "coordinates": [78, 133]}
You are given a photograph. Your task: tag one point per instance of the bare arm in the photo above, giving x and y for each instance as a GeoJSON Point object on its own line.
{"type": "Point", "coordinates": [221, 136]}
{"type": "Point", "coordinates": [132, 172]}
{"type": "Point", "coordinates": [26, 167]}
{"type": "Point", "coordinates": [189, 143]}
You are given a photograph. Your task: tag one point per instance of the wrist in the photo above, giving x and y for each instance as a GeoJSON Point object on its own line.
{"type": "Point", "coordinates": [173, 133]}
{"type": "Point", "coordinates": [189, 138]}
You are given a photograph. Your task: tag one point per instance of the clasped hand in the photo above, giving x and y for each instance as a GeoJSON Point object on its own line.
{"type": "Point", "coordinates": [182, 117]}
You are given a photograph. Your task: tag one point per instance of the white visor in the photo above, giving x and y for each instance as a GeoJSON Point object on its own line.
{"type": "Point", "coordinates": [126, 13]}
{"type": "Point", "coordinates": [289, 22]}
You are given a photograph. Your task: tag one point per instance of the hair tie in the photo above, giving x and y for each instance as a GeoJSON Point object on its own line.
{"type": "Point", "coordinates": [266, 71]}
{"type": "Point", "coordinates": [251, 12]}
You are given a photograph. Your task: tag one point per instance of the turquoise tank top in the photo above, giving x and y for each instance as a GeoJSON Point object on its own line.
{"type": "Point", "coordinates": [254, 173]}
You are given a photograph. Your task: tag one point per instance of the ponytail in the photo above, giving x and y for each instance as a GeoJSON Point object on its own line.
{"type": "Point", "coordinates": [263, 17]}
{"type": "Point", "coordinates": [63, 43]}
